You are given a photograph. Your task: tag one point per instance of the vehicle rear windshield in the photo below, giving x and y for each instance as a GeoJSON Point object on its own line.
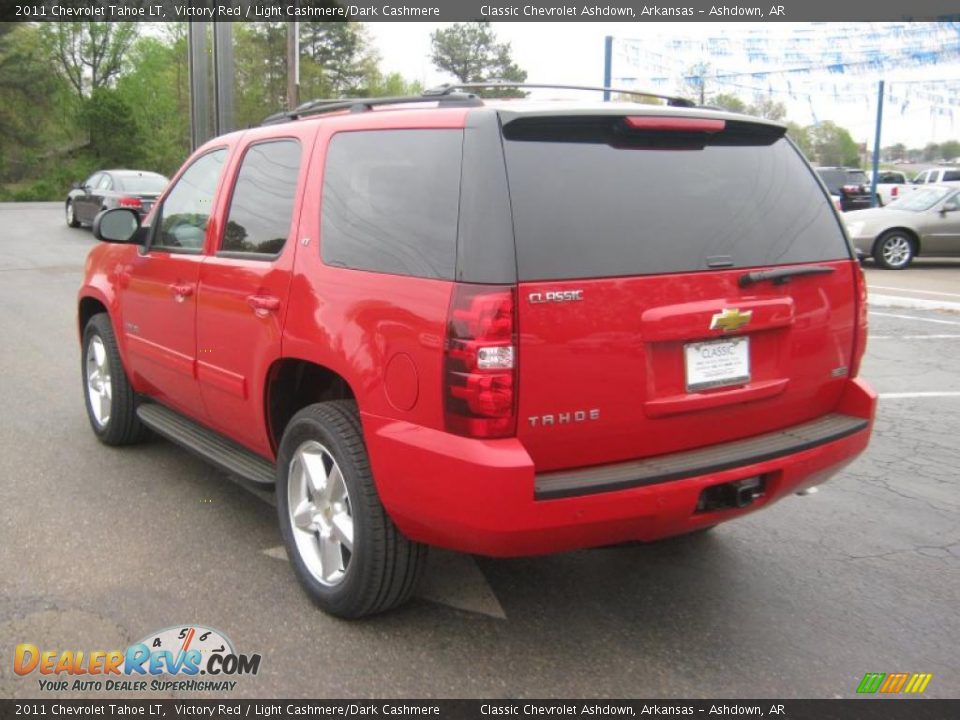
{"type": "Point", "coordinates": [584, 208]}
{"type": "Point", "coordinates": [142, 183]}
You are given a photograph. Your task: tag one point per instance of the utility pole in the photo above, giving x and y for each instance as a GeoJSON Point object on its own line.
{"type": "Point", "coordinates": [876, 147]}
{"type": "Point", "coordinates": [607, 65]}
{"type": "Point", "coordinates": [293, 65]}
{"type": "Point", "coordinates": [223, 75]}
{"type": "Point", "coordinates": [199, 89]}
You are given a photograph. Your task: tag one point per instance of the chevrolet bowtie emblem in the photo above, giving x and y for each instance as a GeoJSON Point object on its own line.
{"type": "Point", "coordinates": [730, 319]}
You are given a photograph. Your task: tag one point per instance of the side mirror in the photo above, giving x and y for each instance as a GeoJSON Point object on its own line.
{"type": "Point", "coordinates": [117, 225]}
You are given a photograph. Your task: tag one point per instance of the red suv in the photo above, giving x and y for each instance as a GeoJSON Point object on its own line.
{"type": "Point", "coordinates": [505, 329]}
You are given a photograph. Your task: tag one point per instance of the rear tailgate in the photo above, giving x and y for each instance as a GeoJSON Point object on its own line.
{"type": "Point", "coordinates": [646, 323]}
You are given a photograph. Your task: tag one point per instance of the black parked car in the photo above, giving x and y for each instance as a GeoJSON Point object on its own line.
{"type": "Point", "coordinates": [134, 189]}
{"type": "Point", "coordinates": [848, 186]}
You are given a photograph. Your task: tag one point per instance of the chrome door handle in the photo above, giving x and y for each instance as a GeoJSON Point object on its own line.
{"type": "Point", "coordinates": [263, 304]}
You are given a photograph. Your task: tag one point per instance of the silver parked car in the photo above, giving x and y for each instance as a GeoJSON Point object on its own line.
{"type": "Point", "coordinates": [925, 222]}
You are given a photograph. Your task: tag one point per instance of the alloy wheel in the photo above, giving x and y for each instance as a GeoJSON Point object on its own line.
{"type": "Point", "coordinates": [321, 516]}
{"type": "Point", "coordinates": [99, 386]}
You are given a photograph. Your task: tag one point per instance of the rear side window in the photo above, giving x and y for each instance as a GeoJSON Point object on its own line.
{"type": "Point", "coordinates": [263, 198]}
{"type": "Point", "coordinates": [951, 175]}
{"type": "Point", "coordinates": [592, 209]}
{"type": "Point", "coordinates": [391, 201]}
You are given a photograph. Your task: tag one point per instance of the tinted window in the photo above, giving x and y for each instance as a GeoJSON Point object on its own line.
{"type": "Point", "coordinates": [262, 204]}
{"type": "Point", "coordinates": [146, 183]}
{"type": "Point", "coordinates": [390, 201]}
{"type": "Point", "coordinates": [186, 210]}
{"type": "Point", "coordinates": [589, 209]}
{"type": "Point", "coordinates": [833, 179]}
{"type": "Point", "coordinates": [951, 175]}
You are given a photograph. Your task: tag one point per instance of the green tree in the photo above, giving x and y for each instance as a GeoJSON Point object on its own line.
{"type": "Point", "coordinates": [931, 152]}
{"type": "Point", "coordinates": [89, 54]}
{"type": "Point", "coordinates": [155, 91]}
{"type": "Point", "coordinates": [336, 60]}
{"type": "Point", "coordinates": [728, 101]}
{"type": "Point", "coordinates": [260, 67]}
{"type": "Point", "coordinates": [114, 140]}
{"type": "Point", "coordinates": [27, 97]}
{"type": "Point", "coordinates": [768, 109]}
{"type": "Point", "coordinates": [801, 138]}
{"type": "Point", "coordinates": [894, 152]}
{"type": "Point", "coordinates": [696, 80]}
{"type": "Point", "coordinates": [950, 149]}
{"type": "Point", "coordinates": [470, 52]}
{"type": "Point", "coordinates": [832, 145]}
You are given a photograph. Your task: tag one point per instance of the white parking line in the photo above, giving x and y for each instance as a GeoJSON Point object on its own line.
{"type": "Point", "coordinates": [902, 301]}
{"type": "Point", "coordinates": [913, 317]}
{"type": "Point", "coordinates": [915, 337]}
{"type": "Point", "coordinates": [907, 395]}
{"type": "Point", "coordinates": [910, 290]}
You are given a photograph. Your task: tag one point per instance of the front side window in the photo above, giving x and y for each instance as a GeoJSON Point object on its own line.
{"type": "Point", "coordinates": [186, 210]}
{"type": "Point", "coordinates": [391, 201]}
{"type": "Point", "coordinates": [263, 198]}
{"type": "Point", "coordinates": [105, 183]}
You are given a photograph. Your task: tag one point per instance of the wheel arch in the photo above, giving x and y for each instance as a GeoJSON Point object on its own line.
{"type": "Point", "coordinates": [89, 306]}
{"type": "Point", "coordinates": [294, 383]}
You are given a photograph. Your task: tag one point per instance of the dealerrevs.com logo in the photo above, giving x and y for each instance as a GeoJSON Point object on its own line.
{"type": "Point", "coordinates": [173, 659]}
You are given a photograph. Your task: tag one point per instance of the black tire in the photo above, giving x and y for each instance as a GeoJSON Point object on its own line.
{"type": "Point", "coordinates": [381, 567]}
{"type": "Point", "coordinates": [894, 250]}
{"type": "Point", "coordinates": [70, 215]}
{"type": "Point", "coordinates": [120, 425]}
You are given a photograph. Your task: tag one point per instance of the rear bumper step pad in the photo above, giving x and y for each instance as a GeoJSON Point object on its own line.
{"type": "Point", "coordinates": [209, 445]}
{"type": "Point", "coordinates": [689, 463]}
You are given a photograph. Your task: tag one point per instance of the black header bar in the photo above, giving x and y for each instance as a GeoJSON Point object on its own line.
{"type": "Point", "coordinates": [849, 709]}
{"type": "Point", "coordinates": [759, 11]}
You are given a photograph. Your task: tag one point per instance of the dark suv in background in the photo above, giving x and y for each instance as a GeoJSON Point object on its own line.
{"type": "Point", "coordinates": [850, 186]}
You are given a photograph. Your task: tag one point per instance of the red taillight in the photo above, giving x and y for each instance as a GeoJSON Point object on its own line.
{"type": "Point", "coordinates": [860, 326]}
{"type": "Point", "coordinates": [130, 202]}
{"type": "Point", "coordinates": [852, 189]}
{"type": "Point", "coordinates": [681, 124]}
{"type": "Point", "coordinates": [894, 191]}
{"type": "Point", "coordinates": [480, 362]}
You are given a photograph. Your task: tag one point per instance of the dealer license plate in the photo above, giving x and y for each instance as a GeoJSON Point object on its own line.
{"type": "Point", "coordinates": [717, 363]}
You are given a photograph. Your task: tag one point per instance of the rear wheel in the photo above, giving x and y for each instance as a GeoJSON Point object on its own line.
{"type": "Point", "coordinates": [71, 215]}
{"type": "Point", "coordinates": [347, 553]}
{"type": "Point", "coordinates": [894, 250]}
{"type": "Point", "coordinates": [110, 400]}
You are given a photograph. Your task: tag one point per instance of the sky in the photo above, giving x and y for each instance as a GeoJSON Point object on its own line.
{"type": "Point", "coordinates": [572, 53]}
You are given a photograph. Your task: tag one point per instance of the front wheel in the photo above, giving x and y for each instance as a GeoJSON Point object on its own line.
{"type": "Point", "coordinates": [894, 250]}
{"type": "Point", "coordinates": [110, 400]}
{"type": "Point", "coordinates": [347, 553]}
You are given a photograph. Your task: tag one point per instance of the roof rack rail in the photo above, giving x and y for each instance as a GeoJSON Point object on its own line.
{"type": "Point", "coordinates": [448, 88]}
{"type": "Point", "coordinates": [323, 106]}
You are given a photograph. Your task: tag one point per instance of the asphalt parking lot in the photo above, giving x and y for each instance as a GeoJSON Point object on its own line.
{"type": "Point", "coordinates": [102, 546]}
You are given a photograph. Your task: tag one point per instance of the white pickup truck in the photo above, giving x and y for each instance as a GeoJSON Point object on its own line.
{"type": "Point", "coordinates": [893, 184]}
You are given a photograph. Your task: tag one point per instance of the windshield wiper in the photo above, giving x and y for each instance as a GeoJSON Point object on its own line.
{"type": "Point", "coordinates": [779, 276]}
